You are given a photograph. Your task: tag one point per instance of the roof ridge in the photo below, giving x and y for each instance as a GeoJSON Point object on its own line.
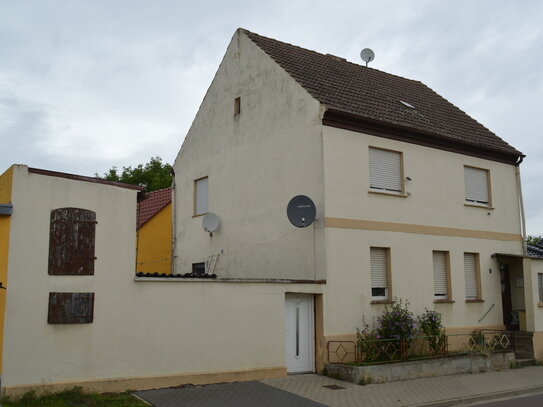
{"type": "Point", "coordinates": [328, 56]}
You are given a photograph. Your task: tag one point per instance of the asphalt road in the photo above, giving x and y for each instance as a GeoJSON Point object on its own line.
{"type": "Point", "coordinates": [534, 400]}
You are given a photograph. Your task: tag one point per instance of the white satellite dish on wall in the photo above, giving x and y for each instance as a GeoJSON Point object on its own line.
{"type": "Point", "coordinates": [210, 223]}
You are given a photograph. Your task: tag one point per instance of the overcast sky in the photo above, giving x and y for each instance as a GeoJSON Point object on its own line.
{"type": "Point", "coordinates": [86, 85]}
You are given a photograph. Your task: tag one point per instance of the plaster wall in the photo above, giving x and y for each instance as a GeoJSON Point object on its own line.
{"type": "Point", "coordinates": [256, 162]}
{"type": "Point", "coordinates": [188, 331]}
{"type": "Point", "coordinates": [534, 308]}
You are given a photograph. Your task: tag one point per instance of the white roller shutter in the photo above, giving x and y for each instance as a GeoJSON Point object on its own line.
{"type": "Point", "coordinates": [385, 170]}
{"type": "Point", "coordinates": [470, 269]}
{"type": "Point", "coordinates": [201, 196]}
{"type": "Point", "coordinates": [540, 286]}
{"type": "Point", "coordinates": [476, 184]}
{"type": "Point", "coordinates": [440, 274]}
{"type": "Point", "coordinates": [379, 268]}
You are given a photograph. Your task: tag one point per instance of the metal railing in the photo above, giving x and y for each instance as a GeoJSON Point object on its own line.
{"type": "Point", "coordinates": [375, 351]}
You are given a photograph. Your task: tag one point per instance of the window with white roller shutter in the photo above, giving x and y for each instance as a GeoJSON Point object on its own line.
{"type": "Point", "coordinates": [471, 270]}
{"type": "Point", "coordinates": [201, 196]}
{"type": "Point", "coordinates": [441, 275]}
{"type": "Point", "coordinates": [386, 170]}
{"type": "Point", "coordinates": [379, 272]}
{"type": "Point", "coordinates": [476, 186]}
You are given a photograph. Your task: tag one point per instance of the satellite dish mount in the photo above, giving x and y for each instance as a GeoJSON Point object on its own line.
{"type": "Point", "coordinates": [301, 211]}
{"type": "Point", "coordinates": [210, 223]}
{"type": "Point", "coordinates": [367, 55]}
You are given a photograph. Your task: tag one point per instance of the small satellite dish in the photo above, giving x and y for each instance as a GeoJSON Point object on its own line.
{"type": "Point", "coordinates": [210, 223]}
{"type": "Point", "coordinates": [301, 211]}
{"type": "Point", "coordinates": [367, 55]}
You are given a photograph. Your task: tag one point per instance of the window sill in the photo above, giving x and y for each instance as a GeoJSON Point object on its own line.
{"type": "Point", "coordinates": [443, 301]}
{"type": "Point", "coordinates": [201, 214]}
{"type": "Point", "coordinates": [375, 191]}
{"type": "Point", "coordinates": [477, 300]}
{"type": "Point", "coordinates": [472, 205]}
{"type": "Point", "coordinates": [381, 302]}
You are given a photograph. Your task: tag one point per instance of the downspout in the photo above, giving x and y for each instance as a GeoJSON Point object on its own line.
{"type": "Point", "coordinates": [173, 257]}
{"type": "Point", "coordinates": [521, 203]}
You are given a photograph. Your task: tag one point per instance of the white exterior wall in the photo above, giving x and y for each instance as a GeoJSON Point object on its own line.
{"type": "Point", "coordinates": [256, 162]}
{"type": "Point", "coordinates": [436, 200]}
{"type": "Point", "coordinates": [141, 329]}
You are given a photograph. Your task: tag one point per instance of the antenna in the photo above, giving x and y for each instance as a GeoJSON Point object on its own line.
{"type": "Point", "coordinates": [301, 211]}
{"type": "Point", "coordinates": [367, 55]}
{"type": "Point", "coordinates": [210, 223]}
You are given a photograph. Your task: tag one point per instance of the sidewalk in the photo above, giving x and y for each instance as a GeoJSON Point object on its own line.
{"type": "Point", "coordinates": [434, 391]}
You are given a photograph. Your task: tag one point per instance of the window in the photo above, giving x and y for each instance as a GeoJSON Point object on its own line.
{"type": "Point", "coordinates": [540, 286]}
{"type": "Point", "coordinates": [386, 170]}
{"type": "Point", "coordinates": [237, 106]}
{"type": "Point", "coordinates": [71, 242]}
{"type": "Point", "coordinates": [472, 276]}
{"type": "Point", "coordinates": [70, 308]}
{"type": "Point", "coordinates": [441, 275]}
{"type": "Point", "coordinates": [476, 182]}
{"type": "Point", "coordinates": [380, 273]}
{"type": "Point", "coordinates": [198, 269]}
{"type": "Point", "coordinates": [200, 196]}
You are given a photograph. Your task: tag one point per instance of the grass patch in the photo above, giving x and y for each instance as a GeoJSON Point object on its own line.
{"type": "Point", "coordinates": [73, 398]}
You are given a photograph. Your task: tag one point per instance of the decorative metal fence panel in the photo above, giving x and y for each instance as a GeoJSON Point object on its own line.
{"type": "Point", "coordinates": [376, 351]}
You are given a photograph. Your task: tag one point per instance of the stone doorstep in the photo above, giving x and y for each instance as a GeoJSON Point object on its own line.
{"type": "Point", "coordinates": [417, 369]}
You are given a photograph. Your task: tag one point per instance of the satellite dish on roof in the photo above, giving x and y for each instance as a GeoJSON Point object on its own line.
{"type": "Point", "coordinates": [367, 55]}
{"type": "Point", "coordinates": [210, 223]}
{"type": "Point", "coordinates": [301, 211]}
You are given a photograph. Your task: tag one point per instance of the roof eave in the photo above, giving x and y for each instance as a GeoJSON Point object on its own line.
{"type": "Point", "coordinates": [349, 121]}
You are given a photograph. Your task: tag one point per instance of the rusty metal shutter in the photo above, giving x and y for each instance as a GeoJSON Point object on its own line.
{"type": "Point", "coordinates": [71, 242]}
{"type": "Point", "coordinates": [71, 308]}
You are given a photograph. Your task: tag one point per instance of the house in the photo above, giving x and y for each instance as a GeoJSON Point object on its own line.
{"type": "Point", "coordinates": [154, 232]}
{"type": "Point", "coordinates": [414, 199]}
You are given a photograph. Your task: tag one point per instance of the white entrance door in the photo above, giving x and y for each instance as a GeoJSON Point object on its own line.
{"type": "Point", "coordinates": [299, 334]}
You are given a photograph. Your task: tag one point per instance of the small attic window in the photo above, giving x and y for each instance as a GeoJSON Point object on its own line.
{"type": "Point", "coordinates": [237, 106]}
{"type": "Point", "coordinates": [406, 104]}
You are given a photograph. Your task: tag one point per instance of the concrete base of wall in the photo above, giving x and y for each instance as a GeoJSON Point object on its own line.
{"type": "Point", "coordinates": [420, 368]}
{"type": "Point", "coordinates": [146, 383]}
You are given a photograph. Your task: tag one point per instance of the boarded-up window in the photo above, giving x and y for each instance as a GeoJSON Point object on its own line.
{"type": "Point", "coordinates": [476, 186]}
{"type": "Point", "coordinates": [71, 242]}
{"type": "Point", "coordinates": [379, 273]}
{"type": "Point", "coordinates": [386, 170]}
{"type": "Point", "coordinates": [471, 275]}
{"type": "Point", "coordinates": [441, 275]}
{"type": "Point", "coordinates": [71, 308]}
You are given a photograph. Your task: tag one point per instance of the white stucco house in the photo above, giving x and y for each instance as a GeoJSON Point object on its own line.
{"type": "Point", "coordinates": [414, 199]}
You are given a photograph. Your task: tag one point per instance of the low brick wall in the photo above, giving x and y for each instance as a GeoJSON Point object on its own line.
{"type": "Point", "coordinates": [392, 372]}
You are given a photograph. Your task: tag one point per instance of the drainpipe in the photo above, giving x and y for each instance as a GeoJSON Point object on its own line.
{"type": "Point", "coordinates": [521, 203]}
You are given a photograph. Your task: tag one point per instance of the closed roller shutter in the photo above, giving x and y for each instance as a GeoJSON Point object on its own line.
{"type": "Point", "coordinates": [476, 184]}
{"type": "Point", "coordinates": [379, 271]}
{"type": "Point", "coordinates": [470, 269]}
{"type": "Point", "coordinates": [440, 274]}
{"type": "Point", "coordinates": [385, 170]}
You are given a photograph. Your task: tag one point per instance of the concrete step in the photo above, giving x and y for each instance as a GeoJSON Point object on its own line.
{"type": "Point", "coordinates": [524, 355]}
{"type": "Point", "coordinates": [524, 347]}
{"type": "Point", "coordinates": [525, 362]}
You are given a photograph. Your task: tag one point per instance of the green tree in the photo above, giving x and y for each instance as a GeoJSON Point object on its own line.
{"type": "Point", "coordinates": [532, 239]}
{"type": "Point", "coordinates": [153, 175]}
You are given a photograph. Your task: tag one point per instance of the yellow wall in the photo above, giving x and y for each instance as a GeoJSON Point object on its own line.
{"type": "Point", "coordinates": [155, 243]}
{"type": "Point", "coordinates": [5, 197]}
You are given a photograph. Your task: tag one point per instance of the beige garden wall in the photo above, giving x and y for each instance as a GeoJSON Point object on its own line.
{"type": "Point", "coordinates": [256, 162]}
{"type": "Point", "coordinates": [145, 333]}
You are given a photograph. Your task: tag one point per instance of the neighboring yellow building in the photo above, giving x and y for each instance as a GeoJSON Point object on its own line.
{"type": "Point", "coordinates": [5, 212]}
{"type": "Point", "coordinates": [154, 232]}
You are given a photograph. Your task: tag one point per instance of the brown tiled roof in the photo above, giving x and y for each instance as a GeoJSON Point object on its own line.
{"type": "Point", "coordinates": [152, 203]}
{"type": "Point", "coordinates": [376, 96]}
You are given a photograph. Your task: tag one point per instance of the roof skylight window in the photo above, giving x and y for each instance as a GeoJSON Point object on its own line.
{"type": "Point", "coordinates": [409, 105]}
